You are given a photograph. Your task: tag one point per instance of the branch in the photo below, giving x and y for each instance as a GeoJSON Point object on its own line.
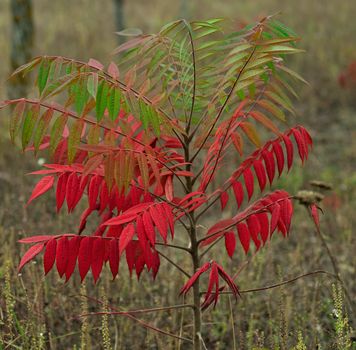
{"type": "Point", "coordinates": [140, 311]}
{"type": "Point", "coordinates": [222, 107]}
{"type": "Point", "coordinates": [173, 246]}
{"type": "Point", "coordinates": [201, 170]}
{"type": "Point", "coordinates": [174, 264]}
{"type": "Point", "coordinates": [334, 264]}
{"type": "Point", "coordinates": [283, 282]}
{"type": "Point", "coordinates": [194, 76]}
{"type": "Point", "coordinates": [144, 324]}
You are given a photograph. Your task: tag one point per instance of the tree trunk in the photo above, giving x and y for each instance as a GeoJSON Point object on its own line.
{"type": "Point", "coordinates": [197, 310]}
{"type": "Point", "coordinates": [22, 34]}
{"type": "Point", "coordinates": [119, 18]}
{"type": "Point", "coordinates": [184, 9]}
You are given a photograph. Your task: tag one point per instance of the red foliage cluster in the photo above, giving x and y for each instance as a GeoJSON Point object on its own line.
{"type": "Point", "coordinates": [215, 271]}
{"type": "Point", "coordinates": [347, 78]}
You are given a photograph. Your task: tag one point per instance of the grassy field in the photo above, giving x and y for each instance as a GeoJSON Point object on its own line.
{"type": "Point", "coordinates": [311, 313]}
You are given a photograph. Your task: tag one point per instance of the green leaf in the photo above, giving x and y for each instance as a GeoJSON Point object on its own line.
{"type": "Point", "coordinates": [81, 96]}
{"type": "Point", "coordinates": [27, 67]}
{"type": "Point", "coordinates": [154, 120]}
{"type": "Point", "coordinates": [29, 125]}
{"type": "Point", "coordinates": [92, 84]}
{"type": "Point", "coordinates": [16, 119]}
{"type": "Point", "coordinates": [93, 136]}
{"type": "Point", "coordinates": [251, 133]}
{"type": "Point", "coordinates": [101, 100]}
{"type": "Point", "coordinates": [75, 133]}
{"type": "Point", "coordinates": [57, 132]}
{"type": "Point", "coordinates": [114, 102]}
{"type": "Point", "coordinates": [42, 128]}
{"type": "Point", "coordinates": [130, 32]}
{"type": "Point", "coordinates": [144, 117]}
{"type": "Point", "coordinates": [272, 108]}
{"type": "Point", "coordinates": [280, 49]}
{"type": "Point", "coordinates": [43, 75]}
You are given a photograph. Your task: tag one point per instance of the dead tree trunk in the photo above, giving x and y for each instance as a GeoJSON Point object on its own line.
{"type": "Point", "coordinates": [21, 44]}
{"type": "Point", "coordinates": [119, 17]}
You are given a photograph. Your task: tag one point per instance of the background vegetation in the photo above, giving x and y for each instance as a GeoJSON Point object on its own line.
{"type": "Point", "coordinates": [309, 314]}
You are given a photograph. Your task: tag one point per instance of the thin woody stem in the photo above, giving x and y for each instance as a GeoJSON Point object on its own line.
{"type": "Point", "coordinates": [141, 311]}
{"type": "Point", "coordinates": [142, 323]}
{"type": "Point", "coordinates": [334, 264]}
{"type": "Point", "coordinates": [222, 108]}
{"type": "Point", "coordinates": [276, 285]}
{"type": "Point", "coordinates": [194, 76]}
{"type": "Point", "coordinates": [173, 263]}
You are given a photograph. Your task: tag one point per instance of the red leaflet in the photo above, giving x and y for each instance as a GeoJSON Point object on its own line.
{"type": "Point", "coordinates": [215, 272]}
{"type": "Point", "coordinates": [213, 280]}
{"type": "Point", "coordinates": [98, 250]}
{"type": "Point", "coordinates": [270, 165]}
{"type": "Point", "coordinates": [254, 228]}
{"type": "Point", "coordinates": [238, 192]}
{"type": "Point", "coordinates": [114, 257]}
{"type": "Point", "coordinates": [126, 237]}
{"type": "Point", "coordinates": [193, 279]}
{"type": "Point", "coordinates": [155, 263]}
{"type": "Point", "coordinates": [315, 214]}
{"type": "Point", "coordinates": [49, 256]}
{"type": "Point", "coordinates": [72, 188]}
{"type": "Point", "coordinates": [149, 229]}
{"type": "Point", "coordinates": [159, 221]}
{"type": "Point", "coordinates": [275, 217]}
{"type": "Point", "coordinates": [62, 255]}
{"type": "Point", "coordinates": [264, 226]}
{"type": "Point", "coordinates": [278, 151]}
{"type": "Point", "coordinates": [104, 197]}
{"type": "Point", "coordinates": [286, 213]}
{"type": "Point", "coordinates": [289, 148]}
{"type": "Point", "coordinates": [95, 64]}
{"type": "Point", "coordinates": [84, 256]}
{"type": "Point", "coordinates": [230, 243]}
{"type": "Point", "coordinates": [260, 173]}
{"type": "Point", "coordinates": [229, 281]}
{"type": "Point", "coordinates": [168, 188]}
{"type": "Point", "coordinates": [83, 220]}
{"type": "Point", "coordinates": [83, 181]}
{"type": "Point", "coordinates": [93, 191]}
{"type": "Point", "coordinates": [73, 247]}
{"type": "Point", "coordinates": [169, 217]}
{"type": "Point", "coordinates": [224, 198]}
{"type": "Point", "coordinates": [302, 146]}
{"type": "Point", "coordinates": [306, 136]}
{"type": "Point", "coordinates": [30, 254]}
{"type": "Point", "coordinates": [248, 177]}
{"type": "Point", "coordinates": [217, 231]}
{"type": "Point", "coordinates": [120, 220]}
{"type": "Point", "coordinates": [35, 239]}
{"type": "Point", "coordinates": [42, 187]}
{"type": "Point", "coordinates": [61, 190]}
{"type": "Point", "coordinates": [244, 236]}
{"type": "Point", "coordinates": [131, 254]}
{"type": "Point", "coordinates": [141, 234]}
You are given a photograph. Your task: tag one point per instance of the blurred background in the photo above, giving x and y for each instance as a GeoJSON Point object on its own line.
{"type": "Point", "coordinates": [43, 314]}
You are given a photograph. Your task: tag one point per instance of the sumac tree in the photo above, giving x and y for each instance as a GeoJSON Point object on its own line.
{"type": "Point", "coordinates": [141, 141]}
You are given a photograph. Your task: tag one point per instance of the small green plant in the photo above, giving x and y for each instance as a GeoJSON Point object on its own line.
{"type": "Point", "coordinates": [143, 140]}
{"type": "Point", "coordinates": [342, 327]}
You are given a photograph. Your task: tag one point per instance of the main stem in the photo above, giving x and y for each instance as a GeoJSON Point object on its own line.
{"type": "Point", "coordinates": [195, 257]}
